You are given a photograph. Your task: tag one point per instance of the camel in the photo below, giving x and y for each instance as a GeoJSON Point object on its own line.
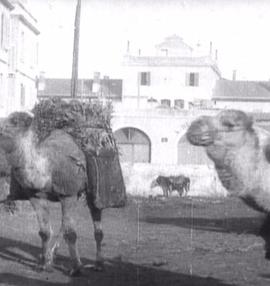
{"type": "Point", "coordinates": [53, 169]}
{"type": "Point", "coordinates": [241, 155]}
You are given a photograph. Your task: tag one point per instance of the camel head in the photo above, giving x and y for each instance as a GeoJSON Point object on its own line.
{"type": "Point", "coordinates": [228, 128]}
{"type": "Point", "coordinates": [16, 124]}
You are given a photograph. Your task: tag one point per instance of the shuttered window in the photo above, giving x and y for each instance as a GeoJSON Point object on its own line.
{"type": "Point", "coordinates": [165, 102]}
{"type": "Point", "coordinates": [5, 34]}
{"type": "Point", "coordinates": [22, 95]}
{"type": "Point", "coordinates": [179, 103]}
{"type": "Point", "coordinates": [192, 79]}
{"type": "Point", "coordinates": [144, 78]}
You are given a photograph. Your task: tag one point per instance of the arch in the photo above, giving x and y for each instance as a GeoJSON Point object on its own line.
{"type": "Point", "coordinates": [134, 145]}
{"type": "Point", "coordinates": [190, 154]}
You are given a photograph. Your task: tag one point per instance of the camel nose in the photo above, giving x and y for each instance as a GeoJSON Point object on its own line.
{"type": "Point", "coordinates": [193, 133]}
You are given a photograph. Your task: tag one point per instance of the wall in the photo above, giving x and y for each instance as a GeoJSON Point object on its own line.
{"type": "Point", "coordinates": [3, 87]}
{"type": "Point", "coordinates": [158, 124]}
{"type": "Point", "coordinates": [167, 83]}
{"type": "Point", "coordinates": [22, 58]}
{"type": "Point", "coordinates": [4, 59]}
{"type": "Point", "coordinates": [250, 106]}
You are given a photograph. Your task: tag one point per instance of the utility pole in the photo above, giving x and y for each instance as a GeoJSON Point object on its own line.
{"type": "Point", "coordinates": [74, 77]}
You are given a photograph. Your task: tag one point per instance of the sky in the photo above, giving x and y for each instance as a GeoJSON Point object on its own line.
{"type": "Point", "coordinates": [238, 29]}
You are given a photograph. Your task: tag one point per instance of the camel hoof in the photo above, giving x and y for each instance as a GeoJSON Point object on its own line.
{"type": "Point", "coordinates": [44, 267]}
{"type": "Point", "coordinates": [75, 272]}
{"type": "Point", "coordinates": [44, 264]}
{"type": "Point", "coordinates": [98, 266]}
{"type": "Point", "coordinates": [267, 255]}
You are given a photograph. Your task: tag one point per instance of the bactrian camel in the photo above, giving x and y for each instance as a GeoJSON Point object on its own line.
{"type": "Point", "coordinates": [51, 170]}
{"type": "Point", "coordinates": [241, 155]}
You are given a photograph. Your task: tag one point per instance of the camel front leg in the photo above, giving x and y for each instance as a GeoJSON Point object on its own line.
{"type": "Point", "coordinates": [42, 212]}
{"type": "Point", "coordinates": [69, 233]}
{"type": "Point", "coordinates": [265, 233]}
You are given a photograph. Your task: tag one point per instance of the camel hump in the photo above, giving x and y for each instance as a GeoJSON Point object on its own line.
{"type": "Point", "coordinates": [63, 143]}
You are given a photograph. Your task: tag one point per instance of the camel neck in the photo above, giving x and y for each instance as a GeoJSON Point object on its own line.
{"type": "Point", "coordinates": [31, 166]}
{"type": "Point", "coordinates": [24, 146]}
{"type": "Point", "coordinates": [236, 167]}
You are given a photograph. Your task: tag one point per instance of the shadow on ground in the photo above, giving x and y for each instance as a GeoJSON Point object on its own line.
{"type": "Point", "coordinates": [238, 225]}
{"type": "Point", "coordinates": [117, 273]}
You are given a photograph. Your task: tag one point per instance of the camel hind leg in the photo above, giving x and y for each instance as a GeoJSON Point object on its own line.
{"type": "Point", "coordinates": [98, 232]}
{"type": "Point", "coordinates": [69, 233]}
{"type": "Point", "coordinates": [42, 212]}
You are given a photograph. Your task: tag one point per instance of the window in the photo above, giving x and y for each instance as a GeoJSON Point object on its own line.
{"type": "Point", "coordinates": [164, 139]}
{"type": "Point", "coordinates": [22, 95]}
{"type": "Point", "coordinates": [22, 47]}
{"type": "Point", "coordinates": [1, 86]}
{"type": "Point", "coordinates": [192, 79]}
{"type": "Point", "coordinates": [165, 102]}
{"type": "Point", "coordinates": [144, 78]}
{"type": "Point", "coordinates": [4, 32]}
{"type": "Point", "coordinates": [179, 103]}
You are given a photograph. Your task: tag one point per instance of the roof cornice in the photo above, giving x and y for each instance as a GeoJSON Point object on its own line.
{"type": "Point", "coordinates": [154, 61]}
{"type": "Point", "coordinates": [7, 4]}
{"type": "Point", "coordinates": [27, 23]}
{"type": "Point", "coordinates": [239, 99]}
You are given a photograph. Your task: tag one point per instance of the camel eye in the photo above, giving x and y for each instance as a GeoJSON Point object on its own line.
{"type": "Point", "coordinates": [13, 121]}
{"type": "Point", "coordinates": [228, 124]}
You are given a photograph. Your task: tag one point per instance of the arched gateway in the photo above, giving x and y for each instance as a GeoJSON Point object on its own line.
{"type": "Point", "coordinates": [134, 145]}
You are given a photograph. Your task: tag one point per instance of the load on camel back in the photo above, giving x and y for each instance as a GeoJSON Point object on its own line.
{"type": "Point", "coordinates": [90, 126]}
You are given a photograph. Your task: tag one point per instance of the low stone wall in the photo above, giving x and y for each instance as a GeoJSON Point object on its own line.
{"type": "Point", "coordinates": [203, 179]}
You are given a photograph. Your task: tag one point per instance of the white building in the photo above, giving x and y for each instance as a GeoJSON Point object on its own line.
{"type": "Point", "coordinates": [19, 57]}
{"type": "Point", "coordinates": [172, 77]}
{"type": "Point", "coordinates": [5, 13]}
{"type": "Point", "coordinates": [23, 58]}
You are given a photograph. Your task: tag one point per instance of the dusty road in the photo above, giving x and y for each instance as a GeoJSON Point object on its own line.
{"type": "Point", "coordinates": [150, 242]}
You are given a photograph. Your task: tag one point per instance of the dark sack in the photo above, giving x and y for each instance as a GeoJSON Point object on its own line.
{"type": "Point", "coordinates": [105, 179]}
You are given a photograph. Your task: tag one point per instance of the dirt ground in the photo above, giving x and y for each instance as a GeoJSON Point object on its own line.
{"type": "Point", "coordinates": [177, 241]}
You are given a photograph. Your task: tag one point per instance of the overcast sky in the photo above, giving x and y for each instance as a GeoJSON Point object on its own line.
{"type": "Point", "coordinates": [239, 29]}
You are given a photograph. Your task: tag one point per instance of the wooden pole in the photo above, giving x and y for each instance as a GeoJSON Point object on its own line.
{"type": "Point", "coordinates": [74, 77]}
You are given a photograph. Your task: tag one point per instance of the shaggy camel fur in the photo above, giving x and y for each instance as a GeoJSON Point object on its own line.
{"type": "Point", "coordinates": [241, 154]}
{"type": "Point", "coordinates": [51, 170]}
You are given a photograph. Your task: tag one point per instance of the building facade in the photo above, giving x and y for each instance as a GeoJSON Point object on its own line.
{"type": "Point", "coordinates": [173, 77]}
{"type": "Point", "coordinates": [157, 136]}
{"type": "Point", "coordinates": [20, 53]}
{"type": "Point", "coordinates": [5, 15]}
{"type": "Point", "coordinates": [159, 95]}
{"type": "Point", "coordinates": [96, 88]}
{"type": "Point", "coordinates": [162, 93]}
